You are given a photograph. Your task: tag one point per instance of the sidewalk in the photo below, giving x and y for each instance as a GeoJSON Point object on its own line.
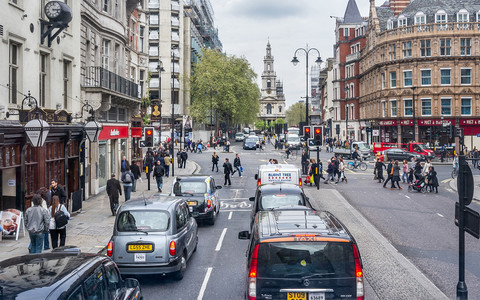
{"type": "Point", "coordinates": [91, 229]}
{"type": "Point", "coordinates": [476, 184]}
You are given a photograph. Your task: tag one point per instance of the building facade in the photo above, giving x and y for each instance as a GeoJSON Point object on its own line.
{"type": "Point", "coordinates": [419, 71]}
{"type": "Point", "coordinates": [272, 101]}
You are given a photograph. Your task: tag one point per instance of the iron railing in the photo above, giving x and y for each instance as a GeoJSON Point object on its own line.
{"type": "Point", "coordinates": [100, 77]}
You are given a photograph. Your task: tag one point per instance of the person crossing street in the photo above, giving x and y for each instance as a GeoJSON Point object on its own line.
{"type": "Point", "coordinates": [238, 165]}
{"type": "Point", "coordinates": [158, 173]}
{"type": "Point", "coordinates": [227, 170]}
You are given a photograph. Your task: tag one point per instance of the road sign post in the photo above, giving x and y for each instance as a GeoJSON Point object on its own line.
{"type": "Point", "coordinates": [317, 182]}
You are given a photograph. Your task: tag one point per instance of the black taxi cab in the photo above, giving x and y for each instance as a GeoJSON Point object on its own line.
{"type": "Point", "coordinates": [302, 255]}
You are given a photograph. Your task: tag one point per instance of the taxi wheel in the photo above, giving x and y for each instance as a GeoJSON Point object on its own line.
{"type": "Point", "coordinates": [179, 274]}
{"type": "Point", "coordinates": [211, 221]}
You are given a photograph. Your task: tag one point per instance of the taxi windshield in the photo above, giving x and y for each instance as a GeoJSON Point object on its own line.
{"type": "Point", "coordinates": [143, 220]}
{"type": "Point", "coordinates": [278, 200]}
{"type": "Point", "coordinates": [252, 139]}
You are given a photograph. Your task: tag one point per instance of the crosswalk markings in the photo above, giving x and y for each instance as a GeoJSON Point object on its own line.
{"type": "Point", "coordinates": [447, 180]}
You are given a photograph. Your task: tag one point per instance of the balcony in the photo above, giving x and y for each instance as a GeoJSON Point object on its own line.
{"type": "Point", "coordinates": [352, 57]}
{"type": "Point", "coordinates": [99, 77]}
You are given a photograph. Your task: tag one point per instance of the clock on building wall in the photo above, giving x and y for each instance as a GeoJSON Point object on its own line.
{"type": "Point", "coordinates": [59, 15]}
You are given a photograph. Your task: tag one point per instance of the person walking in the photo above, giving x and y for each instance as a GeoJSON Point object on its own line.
{"type": "Point", "coordinates": [57, 190]}
{"type": "Point", "coordinates": [417, 170]}
{"type": "Point", "coordinates": [336, 171]}
{"type": "Point", "coordinates": [124, 164]}
{"type": "Point", "coordinates": [341, 169]}
{"type": "Point", "coordinates": [330, 171]}
{"type": "Point", "coordinates": [432, 179]}
{"type": "Point", "coordinates": [136, 175]}
{"type": "Point", "coordinates": [46, 199]}
{"type": "Point", "coordinates": [184, 157]}
{"type": "Point", "coordinates": [37, 221]}
{"type": "Point", "coordinates": [168, 161]}
{"type": "Point", "coordinates": [227, 170]}
{"type": "Point", "coordinates": [379, 166]}
{"type": "Point", "coordinates": [426, 167]}
{"type": "Point", "coordinates": [158, 173]}
{"type": "Point", "coordinates": [405, 171]}
{"type": "Point", "coordinates": [127, 180]}
{"type": "Point", "coordinates": [389, 173]}
{"type": "Point", "coordinates": [215, 160]}
{"type": "Point", "coordinates": [238, 165]}
{"type": "Point", "coordinates": [396, 176]}
{"type": "Point", "coordinates": [114, 190]}
{"type": "Point", "coordinates": [55, 230]}
{"type": "Point", "coordinates": [305, 161]}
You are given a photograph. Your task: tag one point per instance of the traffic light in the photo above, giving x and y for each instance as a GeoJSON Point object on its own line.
{"type": "Point", "coordinates": [450, 131]}
{"type": "Point", "coordinates": [148, 136]}
{"type": "Point", "coordinates": [317, 135]}
{"type": "Point", "coordinates": [306, 132]}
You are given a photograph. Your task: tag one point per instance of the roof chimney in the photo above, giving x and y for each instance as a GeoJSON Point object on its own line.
{"type": "Point", "coordinates": [398, 6]}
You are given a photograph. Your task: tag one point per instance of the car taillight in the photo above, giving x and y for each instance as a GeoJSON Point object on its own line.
{"type": "Point", "coordinates": [252, 275]}
{"type": "Point", "coordinates": [209, 203]}
{"type": "Point", "coordinates": [172, 249]}
{"type": "Point", "coordinates": [110, 249]}
{"type": "Point", "coordinates": [259, 181]}
{"type": "Point", "coordinates": [358, 274]}
{"type": "Point", "coordinates": [300, 183]}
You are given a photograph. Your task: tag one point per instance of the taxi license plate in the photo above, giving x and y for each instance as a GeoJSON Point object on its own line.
{"type": "Point", "coordinates": [139, 257]}
{"type": "Point", "coordinates": [140, 247]}
{"type": "Point", "coordinates": [303, 296]}
{"type": "Point", "coordinates": [192, 202]}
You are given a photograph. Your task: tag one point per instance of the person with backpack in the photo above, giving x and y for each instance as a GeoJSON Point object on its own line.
{"type": "Point", "coordinates": [227, 170]}
{"type": "Point", "coordinates": [158, 173]}
{"type": "Point", "coordinates": [330, 171]}
{"type": "Point", "coordinates": [127, 180]}
{"type": "Point", "coordinates": [58, 222]}
{"type": "Point", "coordinates": [389, 173]}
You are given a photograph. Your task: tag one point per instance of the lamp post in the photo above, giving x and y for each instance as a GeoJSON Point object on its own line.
{"type": "Point", "coordinates": [160, 69]}
{"type": "Point", "coordinates": [173, 111]}
{"type": "Point", "coordinates": [295, 61]}
{"type": "Point", "coordinates": [415, 127]}
{"type": "Point", "coordinates": [347, 135]}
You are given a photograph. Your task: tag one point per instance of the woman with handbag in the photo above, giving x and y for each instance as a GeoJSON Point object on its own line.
{"type": "Point", "coordinates": [58, 222]}
{"type": "Point", "coordinates": [341, 169]}
{"type": "Point", "coordinates": [215, 160]}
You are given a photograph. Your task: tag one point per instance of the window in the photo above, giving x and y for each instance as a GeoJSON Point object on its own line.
{"type": "Point", "coordinates": [393, 79]}
{"type": "Point", "coordinates": [142, 37]}
{"type": "Point", "coordinates": [121, 114]}
{"type": "Point", "coordinates": [77, 294]}
{"type": "Point", "coordinates": [114, 283]}
{"type": "Point", "coordinates": [106, 4]}
{"type": "Point", "coordinates": [43, 79]}
{"type": "Point", "coordinates": [106, 54]}
{"type": "Point", "coordinates": [66, 83]}
{"type": "Point", "coordinates": [269, 109]}
{"type": "Point", "coordinates": [445, 48]}
{"type": "Point", "coordinates": [426, 107]}
{"type": "Point", "coordinates": [383, 81]}
{"type": "Point", "coordinates": [402, 21]}
{"type": "Point", "coordinates": [426, 77]}
{"type": "Point", "coordinates": [153, 19]}
{"type": "Point", "coordinates": [465, 47]}
{"type": "Point", "coordinates": [445, 76]}
{"type": "Point", "coordinates": [462, 16]}
{"type": "Point", "coordinates": [466, 76]}
{"type": "Point", "coordinates": [153, 50]}
{"type": "Point", "coordinates": [180, 217]}
{"type": "Point", "coordinates": [390, 24]}
{"type": "Point", "coordinates": [117, 58]}
{"type": "Point", "coordinates": [425, 49]}
{"type": "Point", "coordinates": [384, 108]}
{"type": "Point", "coordinates": [345, 32]}
{"type": "Point", "coordinates": [280, 109]}
{"type": "Point", "coordinates": [441, 17]}
{"type": "Point", "coordinates": [153, 35]}
{"type": "Point", "coordinates": [478, 16]}
{"type": "Point", "coordinates": [420, 18]}
{"type": "Point", "coordinates": [392, 52]}
{"type": "Point", "coordinates": [269, 84]}
{"type": "Point", "coordinates": [408, 107]}
{"type": "Point", "coordinates": [393, 108]}
{"type": "Point", "coordinates": [407, 49]}
{"type": "Point", "coordinates": [407, 78]}
{"type": "Point", "coordinates": [94, 285]}
{"type": "Point", "coordinates": [466, 106]}
{"type": "Point", "coordinates": [446, 106]}
{"type": "Point", "coordinates": [14, 72]}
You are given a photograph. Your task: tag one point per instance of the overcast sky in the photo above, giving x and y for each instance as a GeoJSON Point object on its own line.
{"type": "Point", "coordinates": [246, 25]}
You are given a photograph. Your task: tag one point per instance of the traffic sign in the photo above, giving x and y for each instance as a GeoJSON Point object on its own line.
{"type": "Point", "coordinates": [142, 144]}
{"type": "Point", "coordinates": [471, 219]}
{"type": "Point", "coordinates": [465, 182]}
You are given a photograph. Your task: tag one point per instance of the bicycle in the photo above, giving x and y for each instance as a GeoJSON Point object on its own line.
{"type": "Point", "coordinates": [291, 157]}
{"type": "Point", "coordinates": [454, 172]}
{"type": "Point", "coordinates": [360, 165]}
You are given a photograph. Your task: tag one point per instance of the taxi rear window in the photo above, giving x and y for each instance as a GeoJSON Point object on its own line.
{"type": "Point", "coordinates": [143, 220]}
{"type": "Point", "coordinates": [298, 259]}
{"type": "Point", "coordinates": [189, 187]}
{"type": "Point", "coordinates": [278, 200]}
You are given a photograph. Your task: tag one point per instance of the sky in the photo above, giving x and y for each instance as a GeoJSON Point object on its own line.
{"type": "Point", "coordinates": [245, 26]}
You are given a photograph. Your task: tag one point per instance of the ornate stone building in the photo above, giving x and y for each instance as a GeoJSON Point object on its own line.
{"type": "Point", "coordinates": [420, 71]}
{"type": "Point", "coordinates": [272, 101]}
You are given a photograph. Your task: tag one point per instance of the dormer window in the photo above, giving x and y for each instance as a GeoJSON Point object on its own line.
{"type": "Point", "coordinates": [402, 21]}
{"type": "Point", "coordinates": [390, 24]}
{"type": "Point", "coordinates": [478, 16]}
{"type": "Point", "coordinates": [420, 18]}
{"type": "Point", "coordinates": [462, 16]}
{"type": "Point", "coordinates": [441, 17]}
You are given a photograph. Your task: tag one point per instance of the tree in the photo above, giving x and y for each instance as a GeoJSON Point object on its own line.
{"type": "Point", "coordinates": [225, 87]}
{"type": "Point", "coordinates": [295, 113]}
{"type": "Point", "coordinates": [260, 125]}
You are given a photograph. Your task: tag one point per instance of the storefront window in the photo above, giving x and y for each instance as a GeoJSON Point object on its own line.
{"type": "Point", "coordinates": [466, 106]}
{"type": "Point", "coordinates": [426, 107]}
{"type": "Point", "coordinates": [102, 163]}
{"type": "Point", "coordinates": [446, 107]}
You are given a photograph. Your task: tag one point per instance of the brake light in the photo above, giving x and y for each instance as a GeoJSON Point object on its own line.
{"type": "Point", "coordinates": [252, 275]}
{"type": "Point", "coordinates": [209, 203]}
{"type": "Point", "coordinates": [300, 183]}
{"type": "Point", "coordinates": [358, 274]}
{"type": "Point", "coordinates": [110, 249]}
{"type": "Point", "coordinates": [172, 249]}
{"type": "Point", "coordinates": [259, 182]}
{"type": "Point", "coordinates": [304, 235]}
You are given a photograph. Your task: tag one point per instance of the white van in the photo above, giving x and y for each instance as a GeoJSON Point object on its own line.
{"type": "Point", "coordinates": [279, 173]}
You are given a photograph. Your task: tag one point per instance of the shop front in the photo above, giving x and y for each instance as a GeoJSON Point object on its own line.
{"type": "Point", "coordinates": [471, 131]}
{"type": "Point", "coordinates": [388, 131]}
{"type": "Point", "coordinates": [113, 144]}
{"type": "Point", "coordinates": [433, 133]}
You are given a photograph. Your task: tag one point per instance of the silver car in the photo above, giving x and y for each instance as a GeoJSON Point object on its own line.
{"type": "Point", "coordinates": [153, 237]}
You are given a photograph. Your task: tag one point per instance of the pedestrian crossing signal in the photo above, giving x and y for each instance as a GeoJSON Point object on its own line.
{"type": "Point", "coordinates": [148, 136]}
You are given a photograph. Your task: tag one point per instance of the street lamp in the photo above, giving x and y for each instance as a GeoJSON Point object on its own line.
{"type": "Point", "coordinates": [36, 129]}
{"type": "Point", "coordinates": [415, 128]}
{"type": "Point", "coordinates": [347, 135]}
{"type": "Point", "coordinates": [295, 61]}
{"type": "Point", "coordinates": [160, 69]}
{"type": "Point", "coordinates": [173, 111]}
{"type": "Point", "coordinates": [211, 114]}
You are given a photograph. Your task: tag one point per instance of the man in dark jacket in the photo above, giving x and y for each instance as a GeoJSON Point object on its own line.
{"type": "Point", "coordinates": [158, 173]}
{"type": "Point", "coordinates": [227, 170]}
{"type": "Point", "coordinates": [305, 160]}
{"type": "Point", "coordinates": [57, 190]}
{"type": "Point", "coordinates": [237, 164]}
{"type": "Point", "coordinates": [114, 190]}
{"type": "Point", "coordinates": [124, 164]}
{"type": "Point", "coordinates": [389, 173]}
{"type": "Point", "coordinates": [184, 157]}
{"type": "Point", "coordinates": [136, 174]}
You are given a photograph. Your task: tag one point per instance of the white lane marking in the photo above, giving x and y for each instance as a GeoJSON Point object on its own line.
{"type": "Point", "coordinates": [204, 284]}
{"type": "Point", "coordinates": [407, 196]}
{"type": "Point", "coordinates": [440, 215]}
{"type": "Point", "coordinates": [220, 241]}
{"type": "Point", "coordinates": [230, 215]}
{"type": "Point", "coordinates": [236, 210]}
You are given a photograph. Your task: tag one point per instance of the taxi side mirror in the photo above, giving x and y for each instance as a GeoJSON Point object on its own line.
{"type": "Point", "coordinates": [218, 187]}
{"type": "Point", "coordinates": [244, 235]}
{"type": "Point", "coordinates": [251, 198]}
{"type": "Point", "coordinates": [256, 176]}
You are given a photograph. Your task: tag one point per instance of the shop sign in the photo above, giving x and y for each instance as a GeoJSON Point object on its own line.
{"type": "Point", "coordinates": [434, 122]}
{"type": "Point", "coordinates": [136, 132]}
{"type": "Point", "coordinates": [406, 122]}
{"type": "Point", "coordinates": [387, 123]}
{"type": "Point", "coordinates": [113, 132]}
{"type": "Point", "coordinates": [51, 116]}
{"type": "Point", "coordinates": [469, 122]}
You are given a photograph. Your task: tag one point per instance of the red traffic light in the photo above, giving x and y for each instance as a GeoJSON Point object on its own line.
{"type": "Point", "coordinates": [307, 130]}
{"type": "Point", "coordinates": [318, 131]}
{"type": "Point", "coordinates": [148, 132]}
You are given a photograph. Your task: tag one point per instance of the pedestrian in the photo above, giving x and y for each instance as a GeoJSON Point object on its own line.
{"type": "Point", "coordinates": [336, 169]}
{"type": "Point", "coordinates": [124, 164]}
{"type": "Point", "coordinates": [396, 176]}
{"type": "Point", "coordinates": [127, 180]}
{"type": "Point", "coordinates": [184, 157]}
{"type": "Point", "coordinates": [179, 159]}
{"type": "Point", "coordinates": [37, 221]}
{"type": "Point", "coordinates": [475, 157]}
{"type": "Point", "coordinates": [341, 168]}
{"type": "Point", "coordinates": [215, 160]}
{"type": "Point", "coordinates": [194, 147]}
{"type": "Point", "coordinates": [200, 147]}
{"type": "Point", "coordinates": [57, 190]}
{"type": "Point", "coordinates": [330, 171]}
{"type": "Point", "coordinates": [227, 170]}
{"type": "Point", "coordinates": [417, 170]}
{"type": "Point", "coordinates": [238, 165]}
{"type": "Point", "coordinates": [305, 161]}
{"type": "Point", "coordinates": [60, 230]}
{"type": "Point", "coordinates": [158, 173]}
{"type": "Point", "coordinates": [46, 199]}
{"type": "Point", "coordinates": [136, 175]}
{"type": "Point", "coordinates": [389, 173]}
{"type": "Point", "coordinates": [114, 190]}
{"type": "Point", "coordinates": [432, 180]}
{"type": "Point", "coordinates": [168, 161]}
{"type": "Point", "coordinates": [426, 167]}
{"type": "Point", "coordinates": [379, 166]}
{"type": "Point", "coordinates": [148, 162]}
{"type": "Point", "coordinates": [405, 171]}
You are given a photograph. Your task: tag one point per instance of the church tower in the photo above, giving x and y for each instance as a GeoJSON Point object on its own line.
{"type": "Point", "coordinates": [268, 75]}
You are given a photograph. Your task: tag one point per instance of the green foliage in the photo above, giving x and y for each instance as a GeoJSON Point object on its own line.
{"type": "Point", "coordinates": [226, 85]}
{"type": "Point", "coordinates": [260, 124]}
{"type": "Point", "coordinates": [295, 113]}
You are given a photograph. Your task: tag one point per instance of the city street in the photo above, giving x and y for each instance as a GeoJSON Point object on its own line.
{"type": "Point", "coordinates": [408, 241]}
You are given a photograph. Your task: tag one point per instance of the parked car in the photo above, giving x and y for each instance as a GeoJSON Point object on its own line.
{"type": "Point", "coordinates": [153, 237]}
{"type": "Point", "coordinates": [299, 254]}
{"type": "Point", "coordinates": [201, 195]}
{"type": "Point", "coordinates": [251, 142]}
{"type": "Point", "coordinates": [239, 137]}
{"type": "Point", "coordinates": [401, 154]}
{"type": "Point", "coordinates": [64, 275]}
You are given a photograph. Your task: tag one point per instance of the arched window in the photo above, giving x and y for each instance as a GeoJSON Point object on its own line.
{"type": "Point", "coordinates": [269, 109]}
{"type": "Point", "coordinates": [462, 16]}
{"type": "Point", "coordinates": [269, 83]}
{"type": "Point", "coordinates": [441, 17]}
{"type": "Point", "coordinates": [390, 24]}
{"type": "Point", "coordinates": [420, 18]}
{"type": "Point", "coordinates": [269, 67]}
{"type": "Point", "coordinates": [402, 21]}
{"type": "Point", "coordinates": [280, 109]}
